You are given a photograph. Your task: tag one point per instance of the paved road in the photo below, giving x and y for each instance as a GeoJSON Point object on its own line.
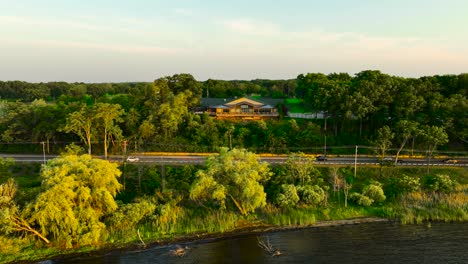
{"type": "Point", "coordinates": [194, 159]}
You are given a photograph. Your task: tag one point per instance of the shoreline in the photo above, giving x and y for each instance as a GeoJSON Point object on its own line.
{"type": "Point", "coordinates": [210, 237]}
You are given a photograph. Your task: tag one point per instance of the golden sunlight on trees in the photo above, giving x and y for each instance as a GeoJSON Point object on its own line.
{"type": "Point", "coordinates": [78, 191]}
{"type": "Point", "coordinates": [236, 174]}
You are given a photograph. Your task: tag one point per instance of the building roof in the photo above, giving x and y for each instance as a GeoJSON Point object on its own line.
{"type": "Point", "coordinates": [233, 101]}
{"type": "Point", "coordinates": [244, 100]}
{"type": "Point", "coordinates": [266, 107]}
{"type": "Point", "coordinates": [220, 106]}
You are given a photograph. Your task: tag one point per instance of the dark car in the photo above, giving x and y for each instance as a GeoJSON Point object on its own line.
{"type": "Point", "coordinates": [321, 158]}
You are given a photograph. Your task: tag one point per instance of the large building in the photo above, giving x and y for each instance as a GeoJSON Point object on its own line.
{"type": "Point", "coordinates": [244, 108]}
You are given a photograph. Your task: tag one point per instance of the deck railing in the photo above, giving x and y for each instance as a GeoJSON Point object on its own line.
{"type": "Point", "coordinates": [242, 114]}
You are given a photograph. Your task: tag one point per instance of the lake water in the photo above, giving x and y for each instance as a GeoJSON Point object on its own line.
{"type": "Point", "coordinates": [378, 242]}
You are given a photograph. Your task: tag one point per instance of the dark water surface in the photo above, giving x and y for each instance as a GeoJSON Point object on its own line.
{"type": "Point", "coordinates": [363, 243]}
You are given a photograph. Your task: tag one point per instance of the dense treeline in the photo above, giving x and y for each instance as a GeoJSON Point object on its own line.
{"type": "Point", "coordinates": [75, 201]}
{"type": "Point", "coordinates": [377, 99]}
{"type": "Point", "coordinates": [369, 108]}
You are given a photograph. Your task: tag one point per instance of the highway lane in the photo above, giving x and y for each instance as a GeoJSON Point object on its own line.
{"type": "Point", "coordinates": [195, 159]}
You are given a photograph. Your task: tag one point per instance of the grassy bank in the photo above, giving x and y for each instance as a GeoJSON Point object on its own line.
{"type": "Point", "coordinates": [184, 220]}
{"type": "Point", "coordinates": [191, 226]}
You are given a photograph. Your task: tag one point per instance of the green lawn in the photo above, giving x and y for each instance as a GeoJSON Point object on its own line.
{"type": "Point", "coordinates": [297, 106]}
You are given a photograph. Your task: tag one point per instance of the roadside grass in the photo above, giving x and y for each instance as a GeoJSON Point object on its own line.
{"type": "Point", "coordinates": [193, 223]}
{"type": "Point", "coordinates": [418, 207]}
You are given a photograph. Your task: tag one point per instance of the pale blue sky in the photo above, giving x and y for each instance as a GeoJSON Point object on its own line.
{"type": "Point", "coordinates": [111, 41]}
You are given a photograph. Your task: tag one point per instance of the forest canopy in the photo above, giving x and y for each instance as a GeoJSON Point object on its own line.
{"type": "Point", "coordinates": [152, 116]}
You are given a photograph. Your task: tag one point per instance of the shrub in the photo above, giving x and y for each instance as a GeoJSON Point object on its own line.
{"type": "Point", "coordinates": [439, 183]}
{"type": "Point", "coordinates": [361, 199]}
{"type": "Point", "coordinates": [288, 196]}
{"type": "Point", "coordinates": [403, 184]}
{"type": "Point", "coordinates": [311, 194]}
{"type": "Point", "coordinates": [129, 215]}
{"type": "Point", "coordinates": [375, 192]}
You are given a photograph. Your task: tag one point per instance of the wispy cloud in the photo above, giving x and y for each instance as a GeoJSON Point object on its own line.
{"type": "Point", "coordinates": [251, 27]}
{"type": "Point", "coordinates": [316, 40]}
{"type": "Point", "coordinates": [184, 11]}
{"type": "Point", "coordinates": [52, 22]}
{"type": "Point", "coordinates": [122, 48]}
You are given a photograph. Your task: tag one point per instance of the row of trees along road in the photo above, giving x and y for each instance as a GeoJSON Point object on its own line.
{"type": "Point", "coordinates": [157, 116]}
{"type": "Point", "coordinates": [75, 204]}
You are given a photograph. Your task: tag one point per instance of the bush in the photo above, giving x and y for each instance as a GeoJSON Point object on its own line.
{"type": "Point", "coordinates": [375, 192]}
{"type": "Point", "coordinates": [311, 194]}
{"type": "Point", "coordinates": [403, 184]}
{"type": "Point", "coordinates": [288, 196]}
{"type": "Point", "coordinates": [439, 183]}
{"type": "Point", "coordinates": [361, 199]}
{"type": "Point", "coordinates": [129, 215]}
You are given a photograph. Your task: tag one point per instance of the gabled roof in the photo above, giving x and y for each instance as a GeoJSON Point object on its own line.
{"type": "Point", "coordinates": [244, 100]}
{"type": "Point", "coordinates": [228, 101]}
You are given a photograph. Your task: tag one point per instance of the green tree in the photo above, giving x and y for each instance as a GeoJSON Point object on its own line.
{"type": "Point", "coordinates": [5, 165]}
{"type": "Point", "coordinates": [146, 130]}
{"type": "Point", "coordinates": [434, 136]}
{"type": "Point", "coordinates": [107, 116]}
{"type": "Point", "coordinates": [383, 141]}
{"type": "Point", "coordinates": [78, 192]}
{"type": "Point", "coordinates": [11, 218]}
{"type": "Point", "coordinates": [405, 130]}
{"type": "Point", "coordinates": [236, 174]}
{"type": "Point", "coordinates": [171, 113]}
{"type": "Point", "coordinates": [300, 168]}
{"type": "Point", "coordinates": [183, 82]}
{"type": "Point", "coordinates": [81, 123]}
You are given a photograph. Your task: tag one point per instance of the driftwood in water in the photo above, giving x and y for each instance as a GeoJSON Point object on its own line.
{"type": "Point", "coordinates": [179, 251]}
{"type": "Point", "coordinates": [266, 245]}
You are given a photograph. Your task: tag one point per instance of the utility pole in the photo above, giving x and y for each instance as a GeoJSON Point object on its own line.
{"type": "Point", "coordinates": [124, 149]}
{"type": "Point", "coordinates": [325, 136]}
{"type": "Point", "coordinates": [355, 162]}
{"type": "Point", "coordinates": [231, 131]}
{"type": "Point", "coordinates": [43, 151]}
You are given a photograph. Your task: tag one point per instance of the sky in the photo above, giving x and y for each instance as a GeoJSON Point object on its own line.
{"type": "Point", "coordinates": [142, 40]}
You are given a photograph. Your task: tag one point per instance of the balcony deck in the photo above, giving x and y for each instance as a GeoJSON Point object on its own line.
{"type": "Point", "coordinates": [254, 116]}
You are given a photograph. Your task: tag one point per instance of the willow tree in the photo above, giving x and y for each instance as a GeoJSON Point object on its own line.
{"type": "Point", "coordinates": [11, 218]}
{"type": "Point", "coordinates": [78, 192]}
{"type": "Point", "coordinates": [235, 174]}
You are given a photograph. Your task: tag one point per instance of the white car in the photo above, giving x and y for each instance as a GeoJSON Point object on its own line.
{"type": "Point", "coordinates": [132, 159]}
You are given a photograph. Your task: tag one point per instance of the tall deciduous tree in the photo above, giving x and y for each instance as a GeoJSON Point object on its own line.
{"type": "Point", "coordinates": [78, 192]}
{"type": "Point", "coordinates": [81, 123]}
{"type": "Point", "coordinates": [108, 115]}
{"type": "Point", "coordinates": [235, 174]}
{"type": "Point", "coordinates": [405, 130]}
{"type": "Point", "coordinates": [434, 136]}
{"type": "Point", "coordinates": [383, 141]}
